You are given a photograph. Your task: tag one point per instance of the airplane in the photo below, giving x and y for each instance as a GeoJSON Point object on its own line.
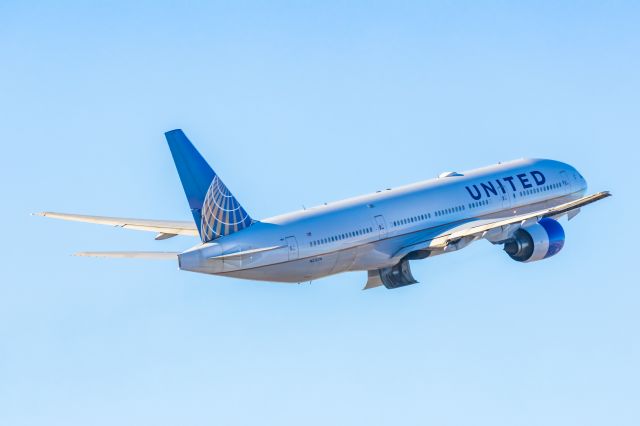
{"type": "Point", "coordinates": [515, 204]}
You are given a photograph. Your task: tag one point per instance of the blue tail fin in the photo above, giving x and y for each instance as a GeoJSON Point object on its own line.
{"type": "Point", "coordinates": [215, 210]}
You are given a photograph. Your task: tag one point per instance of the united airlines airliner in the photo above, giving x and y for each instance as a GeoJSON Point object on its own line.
{"type": "Point", "coordinates": [515, 205]}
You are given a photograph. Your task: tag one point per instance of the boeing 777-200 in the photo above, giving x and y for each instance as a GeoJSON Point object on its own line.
{"type": "Point", "coordinates": [515, 205]}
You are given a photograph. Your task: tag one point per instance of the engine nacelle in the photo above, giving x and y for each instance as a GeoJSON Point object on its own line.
{"type": "Point", "coordinates": [397, 275]}
{"type": "Point", "coordinates": [536, 242]}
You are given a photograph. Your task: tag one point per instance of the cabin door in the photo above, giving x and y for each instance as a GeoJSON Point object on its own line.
{"type": "Point", "coordinates": [566, 180]}
{"type": "Point", "coordinates": [292, 244]}
{"type": "Point", "coordinates": [381, 224]}
{"type": "Point", "coordinates": [506, 200]}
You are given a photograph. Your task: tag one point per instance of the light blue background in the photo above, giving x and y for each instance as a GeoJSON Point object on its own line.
{"type": "Point", "coordinates": [298, 103]}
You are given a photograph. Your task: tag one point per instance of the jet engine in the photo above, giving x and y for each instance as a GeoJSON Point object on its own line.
{"type": "Point", "coordinates": [536, 242]}
{"type": "Point", "coordinates": [398, 275]}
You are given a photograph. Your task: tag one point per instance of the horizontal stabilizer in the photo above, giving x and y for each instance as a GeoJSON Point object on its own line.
{"type": "Point", "coordinates": [165, 227]}
{"type": "Point", "coordinates": [153, 255]}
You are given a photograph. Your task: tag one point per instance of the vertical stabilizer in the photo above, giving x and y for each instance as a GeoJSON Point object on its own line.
{"type": "Point", "coordinates": [215, 210]}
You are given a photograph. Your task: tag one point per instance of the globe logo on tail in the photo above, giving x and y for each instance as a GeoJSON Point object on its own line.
{"type": "Point", "coordinates": [221, 213]}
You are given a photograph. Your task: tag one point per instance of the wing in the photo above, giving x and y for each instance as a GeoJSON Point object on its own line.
{"type": "Point", "coordinates": [165, 228]}
{"type": "Point", "coordinates": [497, 230]}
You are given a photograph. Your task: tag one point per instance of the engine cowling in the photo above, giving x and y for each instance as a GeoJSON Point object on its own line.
{"type": "Point", "coordinates": [536, 242]}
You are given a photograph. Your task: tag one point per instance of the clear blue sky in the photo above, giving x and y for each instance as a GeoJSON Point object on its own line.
{"type": "Point", "coordinates": [297, 103]}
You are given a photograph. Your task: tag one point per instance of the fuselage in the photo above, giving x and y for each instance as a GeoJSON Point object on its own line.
{"type": "Point", "coordinates": [365, 232]}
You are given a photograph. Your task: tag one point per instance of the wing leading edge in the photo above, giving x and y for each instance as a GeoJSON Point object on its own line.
{"type": "Point", "coordinates": [461, 236]}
